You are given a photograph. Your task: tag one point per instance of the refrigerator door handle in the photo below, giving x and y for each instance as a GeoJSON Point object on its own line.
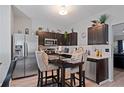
{"type": "Point", "coordinates": [26, 49]}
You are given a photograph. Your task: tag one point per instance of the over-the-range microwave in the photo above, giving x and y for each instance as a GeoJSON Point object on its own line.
{"type": "Point", "coordinates": [50, 42]}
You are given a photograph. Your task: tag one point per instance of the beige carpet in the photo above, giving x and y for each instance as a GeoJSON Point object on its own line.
{"type": "Point", "coordinates": [32, 81]}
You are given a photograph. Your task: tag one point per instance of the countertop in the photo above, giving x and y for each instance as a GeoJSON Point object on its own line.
{"type": "Point", "coordinates": [91, 56]}
{"type": "Point", "coordinates": [98, 58]}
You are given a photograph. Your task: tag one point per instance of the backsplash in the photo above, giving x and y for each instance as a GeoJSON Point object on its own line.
{"type": "Point", "coordinates": [104, 49]}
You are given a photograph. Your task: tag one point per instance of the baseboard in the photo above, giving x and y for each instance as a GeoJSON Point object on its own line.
{"type": "Point", "coordinates": [103, 82]}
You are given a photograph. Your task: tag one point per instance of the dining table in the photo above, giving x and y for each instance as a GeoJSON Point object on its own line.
{"type": "Point", "coordinates": [62, 64]}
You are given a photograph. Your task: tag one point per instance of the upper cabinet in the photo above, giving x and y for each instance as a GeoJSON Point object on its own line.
{"type": "Point", "coordinates": [98, 35]}
{"type": "Point", "coordinates": [70, 40]}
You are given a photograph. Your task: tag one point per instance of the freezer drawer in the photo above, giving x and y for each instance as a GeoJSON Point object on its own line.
{"type": "Point", "coordinates": [31, 67]}
{"type": "Point", "coordinates": [19, 69]}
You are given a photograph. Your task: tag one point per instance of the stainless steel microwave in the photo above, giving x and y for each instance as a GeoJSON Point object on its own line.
{"type": "Point", "coordinates": [50, 42]}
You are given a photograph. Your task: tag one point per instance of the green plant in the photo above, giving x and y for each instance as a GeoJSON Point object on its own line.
{"type": "Point", "coordinates": [103, 18]}
{"type": "Point", "coordinates": [65, 35]}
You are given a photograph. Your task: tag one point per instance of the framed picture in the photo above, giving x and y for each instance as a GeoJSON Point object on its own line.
{"type": "Point", "coordinates": [26, 30]}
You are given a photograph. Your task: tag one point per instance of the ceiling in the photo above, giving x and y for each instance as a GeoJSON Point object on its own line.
{"type": "Point", "coordinates": [50, 14]}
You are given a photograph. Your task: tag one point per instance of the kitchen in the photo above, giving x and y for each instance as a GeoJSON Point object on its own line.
{"type": "Point", "coordinates": [97, 46]}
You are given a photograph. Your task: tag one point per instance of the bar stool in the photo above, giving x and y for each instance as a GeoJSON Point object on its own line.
{"type": "Point", "coordinates": [75, 71]}
{"type": "Point", "coordinates": [44, 66]}
{"type": "Point", "coordinates": [77, 56]}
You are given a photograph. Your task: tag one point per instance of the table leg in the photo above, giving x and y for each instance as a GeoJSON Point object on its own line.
{"type": "Point", "coordinates": [80, 75]}
{"type": "Point", "coordinates": [41, 79]}
{"type": "Point", "coordinates": [58, 77]}
{"type": "Point", "coordinates": [45, 77]}
{"type": "Point", "coordinates": [63, 77]}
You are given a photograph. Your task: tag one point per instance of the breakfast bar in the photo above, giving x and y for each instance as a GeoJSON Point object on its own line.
{"type": "Point", "coordinates": [63, 65]}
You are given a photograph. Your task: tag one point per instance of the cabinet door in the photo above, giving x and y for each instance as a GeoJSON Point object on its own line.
{"type": "Point", "coordinates": [102, 70]}
{"type": "Point", "coordinates": [41, 36]}
{"type": "Point", "coordinates": [73, 38]}
{"type": "Point", "coordinates": [59, 39]}
{"type": "Point", "coordinates": [90, 36]}
{"type": "Point", "coordinates": [105, 29]}
{"type": "Point", "coordinates": [98, 35]}
{"type": "Point", "coordinates": [102, 34]}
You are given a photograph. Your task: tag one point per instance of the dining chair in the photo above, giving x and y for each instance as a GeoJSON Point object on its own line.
{"type": "Point", "coordinates": [77, 56]}
{"type": "Point", "coordinates": [44, 66]}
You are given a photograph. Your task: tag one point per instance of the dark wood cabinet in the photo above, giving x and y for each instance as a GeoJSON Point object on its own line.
{"type": "Point", "coordinates": [98, 35]}
{"type": "Point", "coordinates": [71, 38]}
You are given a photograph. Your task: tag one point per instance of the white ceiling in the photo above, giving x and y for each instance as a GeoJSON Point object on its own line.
{"type": "Point", "coordinates": [50, 14]}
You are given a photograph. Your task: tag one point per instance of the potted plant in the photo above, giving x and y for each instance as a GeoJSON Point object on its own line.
{"type": "Point", "coordinates": [103, 18]}
{"type": "Point", "coordinates": [95, 22]}
{"type": "Point", "coordinates": [65, 35]}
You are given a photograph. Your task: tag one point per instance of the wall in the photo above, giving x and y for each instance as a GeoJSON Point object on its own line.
{"type": "Point", "coordinates": [44, 24]}
{"type": "Point", "coordinates": [118, 37]}
{"type": "Point", "coordinates": [20, 23]}
{"type": "Point", "coordinates": [5, 41]}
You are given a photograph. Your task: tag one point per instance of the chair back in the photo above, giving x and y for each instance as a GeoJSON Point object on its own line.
{"type": "Point", "coordinates": [84, 59]}
{"type": "Point", "coordinates": [40, 63]}
{"type": "Point", "coordinates": [77, 54]}
{"type": "Point", "coordinates": [44, 57]}
{"type": "Point", "coordinates": [80, 55]}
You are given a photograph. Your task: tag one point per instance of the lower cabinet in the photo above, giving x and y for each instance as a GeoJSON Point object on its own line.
{"type": "Point", "coordinates": [97, 70]}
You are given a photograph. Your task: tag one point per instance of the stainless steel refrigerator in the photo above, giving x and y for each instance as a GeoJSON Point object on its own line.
{"type": "Point", "coordinates": [24, 47]}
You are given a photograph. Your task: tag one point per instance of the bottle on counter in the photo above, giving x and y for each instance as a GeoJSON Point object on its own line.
{"type": "Point", "coordinates": [100, 53]}
{"type": "Point", "coordinates": [97, 53]}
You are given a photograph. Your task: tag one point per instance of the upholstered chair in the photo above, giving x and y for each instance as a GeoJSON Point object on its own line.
{"type": "Point", "coordinates": [44, 66]}
{"type": "Point", "coordinates": [77, 56]}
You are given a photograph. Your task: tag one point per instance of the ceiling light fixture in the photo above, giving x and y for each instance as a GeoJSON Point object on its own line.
{"type": "Point", "coordinates": [63, 10]}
